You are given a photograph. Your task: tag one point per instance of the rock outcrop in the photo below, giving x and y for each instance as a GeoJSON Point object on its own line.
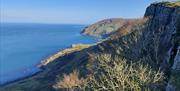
{"type": "Point", "coordinates": [163, 21]}
{"type": "Point", "coordinates": [154, 42]}
{"type": "Point", "coordinates": [164, 18]}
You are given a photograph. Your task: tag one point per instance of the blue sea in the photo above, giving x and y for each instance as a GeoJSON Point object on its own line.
{"type": "Point", "coordinates": [24, 45]}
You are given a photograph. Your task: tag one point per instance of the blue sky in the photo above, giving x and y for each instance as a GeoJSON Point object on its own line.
{"type": "Point", "coordinates": [70, 11]}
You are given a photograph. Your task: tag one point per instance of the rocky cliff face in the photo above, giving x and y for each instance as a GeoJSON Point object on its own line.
{"type": "Point", "coordinates": [164, 21]}
{"type": "Point", "coordinates": [155, 42]}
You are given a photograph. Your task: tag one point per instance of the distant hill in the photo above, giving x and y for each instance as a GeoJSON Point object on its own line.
{"type": "Point", "coordinates": [153, 41]}
{"type": "Point", "coordinates": [105, 27]}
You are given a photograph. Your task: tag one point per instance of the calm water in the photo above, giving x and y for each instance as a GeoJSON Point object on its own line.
{"type": "Point", "coordinates": [23, 46]}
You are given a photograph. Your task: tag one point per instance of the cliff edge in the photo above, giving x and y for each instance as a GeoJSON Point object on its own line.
{"type": "Point", "coordinates": [154, 42]}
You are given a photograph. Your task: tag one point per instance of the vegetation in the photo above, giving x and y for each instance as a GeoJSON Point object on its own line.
{"type": "Point", "coordinates": [170, 4]}
{"type": "Point", "coordinates": [130, 62]}
{"type": "Point", "coordinates": [115, 74]}
{"type": "Point", "coordinates": [69, 81]}
{"type": "Point", "coordinates": [129, 47]}
{"type": "Point", "coordinates": [74, 48]}
{"type": "Point", "coordinates": [107, 27]}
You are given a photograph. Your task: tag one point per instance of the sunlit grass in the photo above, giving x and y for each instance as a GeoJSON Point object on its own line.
{"type": "Point", "coordinates": [170, 4]}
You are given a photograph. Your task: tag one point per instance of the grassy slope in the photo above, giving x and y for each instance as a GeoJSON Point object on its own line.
{"type": "Point", "coordinates": [105, 27]}
{"type": "Point", "coordinates": [170, 4]}
{"type": "Point", "coordinates": [79, 60]}
{"type": "Point", "coordinates": [125, 46]}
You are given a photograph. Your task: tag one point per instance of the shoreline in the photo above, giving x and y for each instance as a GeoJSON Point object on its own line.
{"type": "Point", "coordinates": [51, 58]}
{"type": "Point", "coordinates": [22, 78]}
{"type": "Point", "coordinates": [60, 53]}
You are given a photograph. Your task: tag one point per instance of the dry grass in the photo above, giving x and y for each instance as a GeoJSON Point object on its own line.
{"type": "Point", "coordinates": [129, 27]}
{"type": "Point", "coordinates": [69, 81]}
{"type": "Point", "coordinates": [74, 48]}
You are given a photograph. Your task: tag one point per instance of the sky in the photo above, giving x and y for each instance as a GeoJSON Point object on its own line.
{"type": "Point", "coordinates": [70, 11]}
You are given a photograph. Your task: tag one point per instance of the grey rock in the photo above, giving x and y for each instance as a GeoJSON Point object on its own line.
{"type": "Point", "coordinates": [176, 65]}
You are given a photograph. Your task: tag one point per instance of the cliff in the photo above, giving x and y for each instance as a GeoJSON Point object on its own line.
{"type": "Point", "coordinates": [164, 20]}
{"type": "Point", "coordinates": [154, 42]}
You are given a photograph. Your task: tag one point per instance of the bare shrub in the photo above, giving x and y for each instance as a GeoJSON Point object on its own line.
{"type": "Point", "coordinates": [69, 82]}
{"type": "Point", "coordinates": [115, 74]}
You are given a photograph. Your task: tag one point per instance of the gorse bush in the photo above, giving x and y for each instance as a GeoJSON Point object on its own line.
{"type": "Point", "coordinates": [115, 74]}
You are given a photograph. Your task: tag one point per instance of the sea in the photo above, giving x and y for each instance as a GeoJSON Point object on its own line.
{"type": "Point", "coordinates": [24, 45]}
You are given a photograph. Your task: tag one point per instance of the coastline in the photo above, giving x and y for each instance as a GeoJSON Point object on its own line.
{"type": "Point", "coordinates": [65, 51]}
{"type": "Point", "coordinates": [19, 79]}
{"type": "Point", "coordinates": [51, 58]}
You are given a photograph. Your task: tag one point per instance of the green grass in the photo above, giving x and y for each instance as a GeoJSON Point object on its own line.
{"type": "Point", "coordinates": [106, 29]}
{"type": "Point", "coordinates": [171, 4]}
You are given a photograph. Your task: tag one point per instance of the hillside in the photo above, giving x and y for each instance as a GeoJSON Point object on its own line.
{"type": "Point", "coordinates": [105, 27]}
{"type": "Point", "coordinates": [153, 41]}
